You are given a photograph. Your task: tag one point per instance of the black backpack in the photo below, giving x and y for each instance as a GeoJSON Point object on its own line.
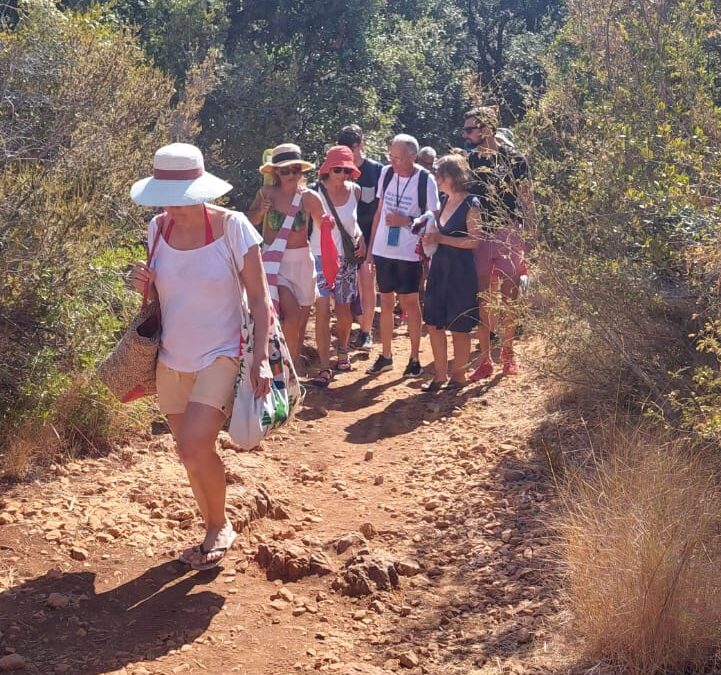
{"type": "Point", "coordinates": [422, 186]}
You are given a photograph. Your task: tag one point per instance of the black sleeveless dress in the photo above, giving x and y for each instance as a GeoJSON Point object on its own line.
{"type": "Point", "coordinates": [451, 296]}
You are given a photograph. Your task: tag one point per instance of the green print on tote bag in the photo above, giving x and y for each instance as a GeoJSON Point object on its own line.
{"type": "Point", "coordinates": [254, 418]}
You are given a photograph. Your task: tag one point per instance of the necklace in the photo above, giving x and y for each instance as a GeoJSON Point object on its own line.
{"type": "Point", "coordinates": [399, 197]}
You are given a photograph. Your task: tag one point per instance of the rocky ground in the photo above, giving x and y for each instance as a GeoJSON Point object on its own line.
{"type": "Point", "coordinates": [384, 530]}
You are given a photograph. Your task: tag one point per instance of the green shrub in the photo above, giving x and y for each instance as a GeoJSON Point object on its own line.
{"type": "Point", "coordinates": [82, 115]}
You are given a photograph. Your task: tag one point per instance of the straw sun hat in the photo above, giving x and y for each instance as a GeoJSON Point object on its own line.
{"type": "Point", "coordinates": [179, 179]}
{"type": "Point", "coordinates": [286, 154]}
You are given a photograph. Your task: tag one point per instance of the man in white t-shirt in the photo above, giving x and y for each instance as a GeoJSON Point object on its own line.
{"type": "Point", "coordinates": [405, 191]}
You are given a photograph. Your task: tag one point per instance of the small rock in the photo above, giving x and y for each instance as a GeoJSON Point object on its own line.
{"type": "Point", "coordinates": [524, 636]}
{"type": "Point", "coordinates": [506, 536]}
{"type": "Point", "coordinates": [279, 605]}
{"type": "Point", "coordinates": [58, 600]}
{"type": "Point", "coordinates": [378, 480]}
{"type": "Point", "coordinates": [369, 455]}
{"type": "Point", "coordinates": [12, 662]}
{"type": "Point", "coordinates": [77, 553]}
{"type": "Point", "coordinates": [283, 594]}
{"type": "Point", "coordinates": [6, 519]}
{"type": "Point", "coordinates": [368, 531]}
{"type": "Point", "coordinates": [409, 659]}
{"type": "Point", "coordinates": [348, 540]}
{"type": "Point", "coordinates": [408, 568]}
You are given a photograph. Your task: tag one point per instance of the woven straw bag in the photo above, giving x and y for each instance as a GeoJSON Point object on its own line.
{"type": "Point", "coordinates": [129, 371]}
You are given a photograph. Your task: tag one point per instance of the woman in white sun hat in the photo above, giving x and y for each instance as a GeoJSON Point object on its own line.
{"type": "Point", "coordinates": [191, 274]}
{"type": "Point", "coordinates": [273, 204]}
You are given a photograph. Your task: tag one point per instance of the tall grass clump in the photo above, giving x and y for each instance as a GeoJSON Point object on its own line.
{"type": "Point", "coordinates": [640, 549]}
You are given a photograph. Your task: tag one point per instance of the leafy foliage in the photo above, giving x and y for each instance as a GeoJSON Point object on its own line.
{"type": "Point", "coordinates": [82, 113]}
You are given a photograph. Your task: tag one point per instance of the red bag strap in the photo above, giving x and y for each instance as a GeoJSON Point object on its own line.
{"type": "Point", "coordinates": [208, 229]}
{"type": "Point", "coordinates": [151, 251]}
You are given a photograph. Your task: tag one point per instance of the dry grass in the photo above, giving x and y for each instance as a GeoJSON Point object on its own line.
{"type": "Point", "coordinates": [84, 421]}
{"type": "Point", "coordinates": [639, 541]}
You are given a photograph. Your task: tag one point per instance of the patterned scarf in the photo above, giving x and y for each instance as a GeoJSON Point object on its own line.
{"type": "Point", "coordinates": [273, 255]}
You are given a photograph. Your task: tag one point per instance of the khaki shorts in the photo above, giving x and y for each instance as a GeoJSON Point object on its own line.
{"type": "Point", "coordinates": [211, 386]}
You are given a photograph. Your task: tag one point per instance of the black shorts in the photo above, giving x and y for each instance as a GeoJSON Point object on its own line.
{"type": "Point", "coordinates": [366, 230]}
{"type": "Point", "coordinates": [397, 276]}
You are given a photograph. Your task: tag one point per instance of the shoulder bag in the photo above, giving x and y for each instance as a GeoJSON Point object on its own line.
{"type": "Point", "coordinates": [254, 418]}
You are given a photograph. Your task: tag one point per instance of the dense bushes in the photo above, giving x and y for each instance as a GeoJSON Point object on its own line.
{"type": "Point", "coordinates": [81, 115]}
{"type": "Point", "coordinates": [626, 156]}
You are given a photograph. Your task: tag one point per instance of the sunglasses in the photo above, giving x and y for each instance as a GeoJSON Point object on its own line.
{"type": "Point", "coordinates": [467, 130]}
{"type": "Point", "coordinates": [287, 170]}
{"type": "Point", "coordinates": [339, 169]}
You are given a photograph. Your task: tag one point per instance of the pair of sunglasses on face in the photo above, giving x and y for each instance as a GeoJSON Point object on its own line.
{"type": "Point", "coordinates": [295, 170]}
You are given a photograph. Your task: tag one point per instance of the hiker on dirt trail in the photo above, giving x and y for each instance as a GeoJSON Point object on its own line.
{"type": "Point", "coordinates": [451, 297]}
{"type": "Point", "coordinates": [192, 276]}
{"type": "Point", "coordinates": [370, 172]}
{"type": "Point", "coordinates": [340, 197]}
{"type": "Point", "coordinates": [284, 209]}
{"type": "Point", "coordinates": [503, 185]}
{"type": "Point", "coordinates": [427, 158]}
{"type": "Point", "coordinates": [405, 191]}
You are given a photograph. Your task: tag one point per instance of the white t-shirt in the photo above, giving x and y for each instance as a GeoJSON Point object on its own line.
{"type": "Point", "coordinates": [402, 197]}
{"type": "Point", "coordinates": [348, 214]}
{"type": "Point", "coordinates": [199, 297]}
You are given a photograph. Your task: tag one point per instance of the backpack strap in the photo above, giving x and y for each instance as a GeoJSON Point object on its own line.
{"type": "Point", "coordinates": [423, 189]}
{"type": "Point", "coordinates": [387, 179]}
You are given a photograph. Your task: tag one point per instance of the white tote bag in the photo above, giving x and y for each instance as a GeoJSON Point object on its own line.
{"type": "Point", "coordinates": [254, 418]}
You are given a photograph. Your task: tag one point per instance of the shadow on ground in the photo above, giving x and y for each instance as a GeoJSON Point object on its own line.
{"type": "Point", "coordinates": [142, 619]}
{"type": "Point", "coordinates": [407, 414]}
{"type": "Point", "coordinates": [487, 570]}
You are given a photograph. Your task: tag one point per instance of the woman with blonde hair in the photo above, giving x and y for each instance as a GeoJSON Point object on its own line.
{"type": "Point", "coordinates": [451, 302]}
{"type": "Point", "coordinates": [284, 209]}
{"type": "Point", "coordinates": [194, 247]}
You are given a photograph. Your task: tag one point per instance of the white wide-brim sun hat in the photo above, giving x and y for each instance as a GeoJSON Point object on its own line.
{"type": "Point", "coordinates": [179, 179]}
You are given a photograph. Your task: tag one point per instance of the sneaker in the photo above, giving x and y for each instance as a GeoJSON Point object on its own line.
{"type": "Point", "coordinates": [510, 367]}
{"type": "Point", "coordinates": [364, 342]}
{"type": "Point", "coordinates": [483, 372]}
{"type": "Point", "coordinates": [381, 365]}
{"type": "Point", "coordinates": [413, 369]}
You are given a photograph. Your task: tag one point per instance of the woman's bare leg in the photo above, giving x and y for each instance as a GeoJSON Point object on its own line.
{"type": "Point", "coordinates": [322, 331]}
{"type": "Point", "coordinates": [461, 355]}
{"type": "Point", "coordinates": [439, 346]}
{"type": "Point", "coordinates": [195, 437]}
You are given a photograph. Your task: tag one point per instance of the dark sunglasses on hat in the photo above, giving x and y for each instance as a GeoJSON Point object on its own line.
{"type": "Point", "coordinates": [340, 169]}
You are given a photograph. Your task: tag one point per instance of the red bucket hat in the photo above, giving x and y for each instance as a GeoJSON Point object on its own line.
{"type": "Point", "coordinates": [339, 156]}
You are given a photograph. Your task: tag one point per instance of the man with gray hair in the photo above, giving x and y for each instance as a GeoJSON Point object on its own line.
{"type": "Point", "coordinates": [406, 191]}
{"type": "Point", "coordinates": [427, 158]}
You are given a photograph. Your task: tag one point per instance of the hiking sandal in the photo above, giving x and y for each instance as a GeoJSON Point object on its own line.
{"type": "Point", "coordinates": [186, 557]}
{"type": "Point", "coordinates": [210, 564]}
{"type": "Point", "coordinates": [343, 364]}
{"type": "Point", "coordinates": [323, 378]}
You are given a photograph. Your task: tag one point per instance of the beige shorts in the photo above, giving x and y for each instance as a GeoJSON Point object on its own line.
{"type": "Point", "coordinates": [297, 273]}
{"type": "Point", "coordinates": [212, 386]}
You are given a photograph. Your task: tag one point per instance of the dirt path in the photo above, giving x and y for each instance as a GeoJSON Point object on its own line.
{"type": "Point", "coordinates": [444, 489]}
